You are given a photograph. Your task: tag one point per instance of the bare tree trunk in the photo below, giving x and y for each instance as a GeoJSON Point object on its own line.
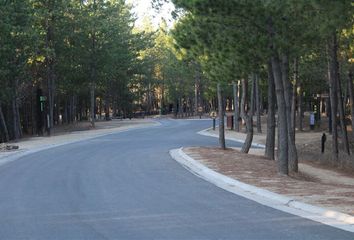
{"type": "Point", "coordinates": [197, 77]}
{"type": "Point", "coordinates": [282, 118]}
{"type": "Point", "coordinates": [248, 117]}
{"type": "Point", "coordinates": [258, 105]}
{"type": "Point", "coordinates": [283, 138]}
{"type": "Point", "coordinates": [74, 97]}
{"type": "Point", "coordinates": [93, 71]}
{"type": "Point", "coordinates": [3, 124]}
{"type": "Point", "coordinates": [332, 61]}
{"type": "Point", "coordinates": [236, 107]}
{"type": "Point", "coordinates": [92, 104]}
{"type": "Point", "coordinates": [115, 105]}
{"type": "Point", "coordinates": [16, 120]}
{"type": "Point", "coordinates": [300, 108]}
{"type": "Point", "coordinates": [351, 98]}
{"type": "Point", "coordinates": [180, 109]}
{"type": "Point", "coordinates": [51, 89]}
{"type": "Point", "coordinates": [270, 139]}
{"type": "Point", "coordinates": [50, 66]}
{"type": "Point", "coordinates": [221, 118]}
{"type": "Point", "coordinates": [329, 115]}
{"type": "Point", "coordinates": [290, 105]}
{"type": "Point", "coordinates": [294, 96]}
{"type": "Point", "coordinates": [342, 114]}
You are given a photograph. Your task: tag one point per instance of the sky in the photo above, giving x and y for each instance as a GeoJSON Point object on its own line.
{"type": "Point", "coordinates": [143, 8]}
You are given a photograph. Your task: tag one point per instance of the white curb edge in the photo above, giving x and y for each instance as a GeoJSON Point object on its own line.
{"type": "Point", "coordinates": [265, 197]}
{"type": "Point", "coordinates": [208, 134]}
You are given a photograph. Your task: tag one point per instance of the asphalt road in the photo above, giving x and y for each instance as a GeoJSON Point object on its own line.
{"type": "Point", "coordinates": [126, 186]}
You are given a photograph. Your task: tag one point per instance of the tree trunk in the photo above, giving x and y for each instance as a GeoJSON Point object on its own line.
{"type": "Point", "coordinates": [351, 98]}
{"type": "Point", "coordinates": [197, 78]}
{"type": "Point", "coordinates": [221, 118]}
{"type": "Point", "coordinates": [329, 110]}
{"type": "Point", "coordinates": [236, 107]}
{"type": "Point", "coordinates": [16, 120]}
{"type": "Point", "coordinates": [333, 87]}
{"type": "Point", "coordinates": [292, 152]}
{"type": "Point", "coordinates": [180, 108]}
{"type": "Point", "coordinates": [93, 73]}
{"type": "Point", "coordinates": [342, 114]}
{"type": "Point", "coordinates": [50, 67]}
{"type": "Point", "coordinates": [282, 159]}
{"type": "Point", "coordinates": [50, 85]}
{"type": "Point", "coordinates": [270, 139]}
{"type": "Point", "coordinates": [248, 116]}
{"type": "Point", "coordinates": [66, 115]}
{"type": "Point", "coordinates": [3, 124]}
{"type": "Point", "coordinates": [258, 105]}
{"type": "Point", "coordinates": [74, 108]}
{"type": "Point", "coordinates": [300, 108]}
{"type": "Point", "coordinates": [92, 106]}
{"type": "Point", "coordinates": [294, 96]}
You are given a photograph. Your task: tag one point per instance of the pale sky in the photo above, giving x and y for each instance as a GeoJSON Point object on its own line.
{"type": "Point", "coordinates": [143, 8]}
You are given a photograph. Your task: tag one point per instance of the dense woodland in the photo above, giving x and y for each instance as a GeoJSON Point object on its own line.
{"type": "Point", "coordinates": [63, 61]}
{"type": "Point", "coordinates": [285, 57]}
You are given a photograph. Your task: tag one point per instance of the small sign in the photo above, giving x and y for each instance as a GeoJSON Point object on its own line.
{"type": "Point", "coordinates": [213, 114]}
{"type": "Point", "coordinates": [42, 98]}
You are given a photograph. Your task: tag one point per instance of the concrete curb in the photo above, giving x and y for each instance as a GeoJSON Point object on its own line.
{"type": "Point", "coordinates": [265, 197]}
{"type": "Point", "coordinates": [23, 152]}
{"type": "Point", "coordinates": [208, 134]}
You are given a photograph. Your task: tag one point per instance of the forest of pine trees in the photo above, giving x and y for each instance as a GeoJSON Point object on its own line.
{"type": "Point", "coordinates": [63, 61]}
{"type": "Point", "coordinates": [290, 56]}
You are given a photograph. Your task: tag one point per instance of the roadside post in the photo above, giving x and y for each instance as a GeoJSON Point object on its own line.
{"type": "Point", "coordinates": [200, 112]}
{"type": "Point", "coordinates": [323, 141]}
{"type": "Point", "coordinates": [213, 115]}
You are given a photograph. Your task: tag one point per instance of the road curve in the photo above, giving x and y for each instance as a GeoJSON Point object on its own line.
{"type": "Point", "coordinates": [126, 186]}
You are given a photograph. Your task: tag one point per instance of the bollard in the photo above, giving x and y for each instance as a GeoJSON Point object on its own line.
{"type": "Point", "coordinates": [323, 140]}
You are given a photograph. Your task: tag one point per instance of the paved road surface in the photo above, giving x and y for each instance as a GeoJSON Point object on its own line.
{"type": "Point", "coordinates": [126, 186]}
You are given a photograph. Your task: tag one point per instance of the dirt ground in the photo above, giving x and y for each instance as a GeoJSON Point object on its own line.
{"type": "Point", "coordinates": [319, 182]}
{"type": "Point", "coordinates": [335, 192]}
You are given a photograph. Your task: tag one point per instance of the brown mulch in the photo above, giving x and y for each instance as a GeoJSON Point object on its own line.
{"type": "Point", "coordinates": [261, 172]}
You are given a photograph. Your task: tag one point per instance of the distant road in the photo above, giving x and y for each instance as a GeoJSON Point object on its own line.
{"type": "Point", "coordinates": [126, 186]}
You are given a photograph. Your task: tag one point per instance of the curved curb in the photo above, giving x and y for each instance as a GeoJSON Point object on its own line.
{"type": "Point", "coordinates": [265, 197]}
{"type": "Point", "coordinates": [208, 134]}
